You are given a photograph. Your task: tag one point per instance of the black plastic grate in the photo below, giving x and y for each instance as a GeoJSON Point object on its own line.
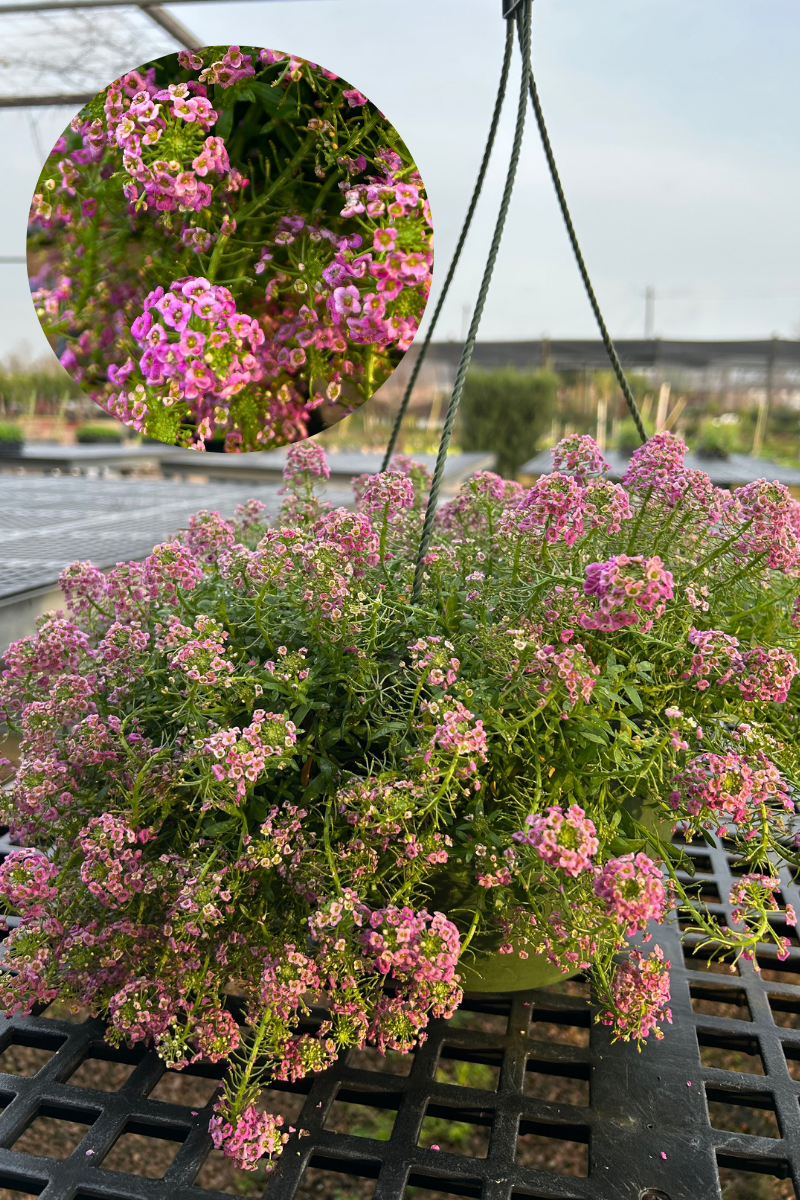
{"type": "Point", "coordinates": [653, 1126]}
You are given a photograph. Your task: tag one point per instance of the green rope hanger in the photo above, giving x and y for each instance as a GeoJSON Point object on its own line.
{"type": "Point", "coordinates": [524, 34]}
{"type": "Point", "coordinates": [587, 283]}
{"type": "Point", "coordinates": [519, 12]}
{"type": "Point", "coordinates": [498, 105]}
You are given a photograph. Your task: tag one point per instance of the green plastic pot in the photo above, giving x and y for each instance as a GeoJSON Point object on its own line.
{"type": "Point", "coordinates": [494, 972]}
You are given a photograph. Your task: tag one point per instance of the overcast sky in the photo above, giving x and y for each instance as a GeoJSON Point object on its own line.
{"type": "Point", "coordinates": [675, 125]}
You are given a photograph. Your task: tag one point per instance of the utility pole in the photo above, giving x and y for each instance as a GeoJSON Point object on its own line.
{"type": "Point", "coordinates": [649, 313]}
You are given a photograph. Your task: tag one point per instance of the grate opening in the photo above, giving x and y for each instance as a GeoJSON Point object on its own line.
{"type": "Point", "coordinates": [363, 1113]}
{"type": "Point", "coordinates": [55, 1130]}
{"type": "Point", "coordinates": [149, 1153]}
{"type": "Point", "coordinates": [743, 1112]}
{"type": "Point", "coordinates": [702, 862]}
{"type": "Point", "coordinates": [218, 1174]}
{"type": "Point", "coordinates": [282, 1100]}
{"type": "Point", "coordinates": [727, 1052]}
{"type": "Point", "coordinates": [775, 971]}
{"type": "Point", "coordinates": [371, 1059]}
{"type": "Point", "coordinates": [103, 1075]}
{"type": "Point", "coordinates": [785, 1011]}
{"type": "Point", "coordinates": [559, 1148]}
{"type": "Point", "coordinates": [699, 958]}
{"type": "Point", "coordinates": [181, 1087]}
{"type": "Point", "coordinates": [719, 1001]}
{"type": "Point", "coordinates": [482, 1016]}
{"type": "Point", "coordinates": [792, 1055]}
{"type": "Point", "coordinates": [555, 1025]}
{"type": "Point", "coordinates": [19, 1189]}
{"type": "Point", "coordinates": [783, 929]}
{"type": "Point", "coordinates": [60, 1010]}
{"type": "Point", "coordinates": [557, 1082]}
{"type": "Point", "coordinates": [704, 891]}
{"type": "Point", "coordinates": [27, 1054]}
{"type": "Point", "coordinates": [463, 1067]}
{"type": "Point", "coordinates": [327, 1178]}
{"type": "Point", "coordinates": [754, 1179]}
{"type": "Point", "coordinates": [428, 1187]}
{"type": "Point", "coordinates": [463, 1131]}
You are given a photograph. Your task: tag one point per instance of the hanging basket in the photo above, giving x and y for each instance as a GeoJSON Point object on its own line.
{"type": "Point", "coordinates": [491, 971]}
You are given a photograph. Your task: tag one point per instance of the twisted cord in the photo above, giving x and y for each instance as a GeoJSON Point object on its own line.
{"type": "Point", "coordinates": [524, 33]}
{"type": "Point", "coordinates": [498, 105]}
{"type": "Point", "coordinates": [587, 283]}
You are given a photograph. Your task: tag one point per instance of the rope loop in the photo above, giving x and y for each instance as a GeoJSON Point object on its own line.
{"type": "Point", "coordinates": [517, 13]}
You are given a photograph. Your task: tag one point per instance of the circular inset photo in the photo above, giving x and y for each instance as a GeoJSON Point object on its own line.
{"type": "Point", "coordinates": [230, 248]}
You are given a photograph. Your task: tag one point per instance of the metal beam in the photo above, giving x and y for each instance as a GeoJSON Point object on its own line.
{"type": "Point", "coordinates": [62, 100]}
{"type": "Point", "coordinates": [54, 6]}
{"type": "Point", "coordinates": [171, 24]}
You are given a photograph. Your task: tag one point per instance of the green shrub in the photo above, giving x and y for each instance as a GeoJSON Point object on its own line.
{"type": "Point", "coordinates": [628, 438]}
{"type": "Point", "coordinates": [98, 433]}
{"type": "Point", "coordinates": [716, 440]}
{"type": "Point", "coordinates": [9, 432]}
{"type": "Point", "coordinates": [507, 411]}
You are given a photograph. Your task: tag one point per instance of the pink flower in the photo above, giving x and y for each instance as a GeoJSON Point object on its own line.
{"type": "Point", "coordinates": [346, 299]}
{"type": "Point", "coordinates": [354, 98]}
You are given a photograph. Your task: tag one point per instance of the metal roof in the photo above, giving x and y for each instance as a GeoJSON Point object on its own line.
{"type": "Point", "coordinates": [634, 353]}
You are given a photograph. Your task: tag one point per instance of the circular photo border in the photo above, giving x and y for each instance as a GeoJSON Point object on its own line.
{"type": "Point", "coordinates": [230, 248]}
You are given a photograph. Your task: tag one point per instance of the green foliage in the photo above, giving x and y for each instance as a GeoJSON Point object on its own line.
{"type": "Point", "coordinates": [507, 411]}
{"type": "Point", "coordinates": [98, 433]}
{"type": "Point", "coordinates": [628, 439]}
{"type": "Point", "coordinates": [9, 432]}
{"type": "Point", "coordinates": [716, 440]}
{"type": "Point", "coordinates": [23, 385]}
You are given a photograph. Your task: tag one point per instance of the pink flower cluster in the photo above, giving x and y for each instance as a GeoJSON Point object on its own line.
{"type": "Point", "coordinates": [27, 881]}
{"type": "Point", "coordinates": [112, 866]}
{"type": "Point", "coordinates": [766, 513]}
{"type": "Point", "coordinates": [758, 673]}
{"type": "Point", "coordinates": [552, 506]}
{"type": "Point", "coordinates": [196, 345]}
{"type": "Point", "coordinates": [387, 494]}
{"type": "Point", "coordinates": [627, 586]}
{"type": "Point", "coordinates": [580, 456]}
{"type": "Point", "coordinates": [640, 992]}
{"type": "Point", "coordinates": [730, 784]}
{"type": "Point", "coordinates": [753, 893]}
{"type": "Point", "coordinates": [137, 125]}
{"type": "Point", "coordinates": [572, 666]}
{"type": "Point", "coordinates": [632, 891]}
{"type": "Point", "coordinates": [407, 945]}
{"type": "Point", "coordinates": [564, 839]}
{"type": "Point", "coordinates": [255, 1136]}
{"type": "Point", "coordinates": [433, 657]}
{"type": "Point", "coordinates": [458, 735]}
{"type": "Point", "coordinates": [244, 754]}
{"type": "Point", "coordinates": [306, 459]}
{"type": "Point", "coordinates": [198, 651]}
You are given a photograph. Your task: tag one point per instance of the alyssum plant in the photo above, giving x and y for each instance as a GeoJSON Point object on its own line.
{"type": "Point", "coordinates": [183, 189]}
{"type": "Point", "coordinates": [250, 764]}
